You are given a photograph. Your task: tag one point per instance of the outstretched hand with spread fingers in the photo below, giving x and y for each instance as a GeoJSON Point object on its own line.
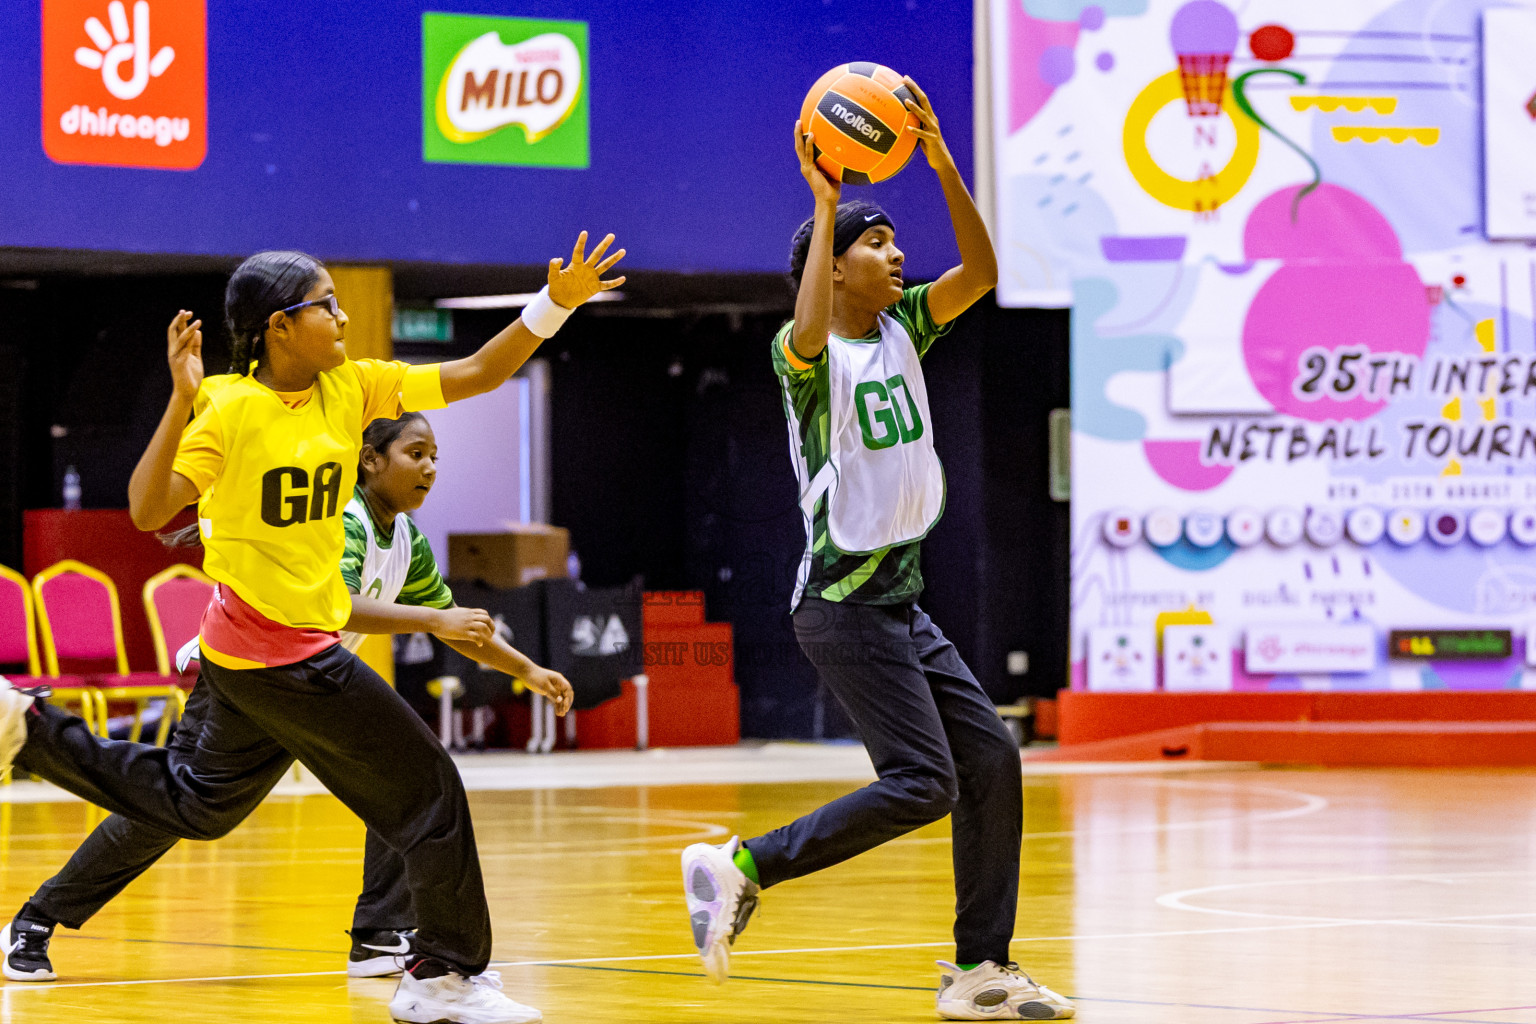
{"type": "Point", "coordinates": [184, 351]}
{"type": "Point", "coordinates": [572, 284]}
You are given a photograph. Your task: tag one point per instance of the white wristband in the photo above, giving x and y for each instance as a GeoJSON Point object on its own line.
{"type": "Point", "coordinates": [543, 316]}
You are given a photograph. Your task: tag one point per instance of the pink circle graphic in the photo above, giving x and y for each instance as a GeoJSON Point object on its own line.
{"type": "Point", "coordinates": [1343, 282]}
{"type": "Point", "coordinates": [1178, 463]}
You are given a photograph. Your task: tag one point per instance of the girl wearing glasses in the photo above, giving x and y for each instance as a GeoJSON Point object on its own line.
{"type": "Point", "coordinates": [396, 587]}
{"type": "Point", "coordinates": [271, 461]}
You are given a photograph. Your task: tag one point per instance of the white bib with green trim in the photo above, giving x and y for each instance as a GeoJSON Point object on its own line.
{"type": "Point", "coordinates": [883, 480]}
{"type": "Point", "coordinates": [384, 570]}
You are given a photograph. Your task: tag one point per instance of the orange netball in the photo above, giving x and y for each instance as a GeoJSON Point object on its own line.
{"type": "Point", "coordinates": [858, 121]}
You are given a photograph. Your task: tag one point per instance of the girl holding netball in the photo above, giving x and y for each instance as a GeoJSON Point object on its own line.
{"type": "Point", "coordinates": [871, 487]}
{"type": "Point", "coordinates": [269, 462]}
{"type": "Point", "coordinates": [396, 586]}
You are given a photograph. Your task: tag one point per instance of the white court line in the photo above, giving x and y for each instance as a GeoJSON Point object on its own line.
{"type": "Point", "coordinates": [1309, 804]}
{"type": "Point", "coordinates": [52, 986]}
{"type": "Point", "coordinates": [1180, 901]}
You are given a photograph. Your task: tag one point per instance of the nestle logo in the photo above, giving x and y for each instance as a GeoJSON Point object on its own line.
{"type": "Point", "coordinates": [857, 122]}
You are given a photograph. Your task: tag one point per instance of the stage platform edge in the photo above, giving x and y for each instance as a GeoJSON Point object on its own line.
{"type": "Point", "coordinates": [1487, 728]}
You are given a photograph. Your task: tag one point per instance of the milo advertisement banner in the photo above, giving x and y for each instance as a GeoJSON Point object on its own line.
{"type": "Point", "coordinates": [504, 91]}
{"type": "Point", "coordinates": [1295, 243]}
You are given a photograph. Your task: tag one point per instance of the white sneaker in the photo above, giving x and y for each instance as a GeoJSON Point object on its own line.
{"type": "Point", "coordinates": [721, 899]}
{"type": "Point", "coordinates": [13, 722]}
{"type": "Point", "coordinates": [455, 999]}
{"type": "Point", "coordinates": [997, 992]}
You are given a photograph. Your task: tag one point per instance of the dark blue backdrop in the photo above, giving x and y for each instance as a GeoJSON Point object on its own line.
{"type": "Point", "coordinates": [315, 137]}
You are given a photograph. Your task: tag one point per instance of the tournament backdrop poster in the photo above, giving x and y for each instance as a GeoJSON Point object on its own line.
{"type": "Point", "coordinates": [1295, 239]}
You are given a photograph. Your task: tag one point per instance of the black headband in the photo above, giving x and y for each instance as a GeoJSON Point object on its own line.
{"type": "Point", "coordinates": [852, 221]}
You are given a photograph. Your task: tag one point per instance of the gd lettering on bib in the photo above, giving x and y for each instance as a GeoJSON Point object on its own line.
{"type": "Point", "coordinates": [883, 479]}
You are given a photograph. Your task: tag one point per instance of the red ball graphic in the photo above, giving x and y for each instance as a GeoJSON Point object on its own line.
{"type": "Point", "coordinates": [1272, 42]}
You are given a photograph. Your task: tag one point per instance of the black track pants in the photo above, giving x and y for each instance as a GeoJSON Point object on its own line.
{"type": "Point", "coordinates": [938, 747]}
{"type": "Point", "coordinates": [345, 724]}
{"type": "Point", "coordinates": [120, 849]}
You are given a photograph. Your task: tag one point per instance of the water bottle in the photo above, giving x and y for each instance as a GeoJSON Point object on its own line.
{"type": "Point", "coordinates": [71, 488]}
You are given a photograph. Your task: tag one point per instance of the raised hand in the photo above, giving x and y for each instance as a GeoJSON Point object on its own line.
{"type": "Point", "coordinates": [823, 188]}
{"type": "Point", "coordinates": [472, 624]}
{"type": "Point", "coordinates": [927, 128]}
{"type": "Point", "coordinates": [582, 278]}
{"type": "Point", "coordinates": [552, 685]}
{"type": "Point", "coordinates": [184, 351]}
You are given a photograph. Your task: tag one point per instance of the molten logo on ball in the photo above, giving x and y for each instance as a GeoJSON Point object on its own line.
{"type": "Point", "coordinates": [490, 86]}
{"type": "Point", "coordinates": [856, 122]}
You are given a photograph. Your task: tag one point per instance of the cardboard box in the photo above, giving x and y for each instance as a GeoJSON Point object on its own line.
{"type": "Point", "coordinates": [520, 554]}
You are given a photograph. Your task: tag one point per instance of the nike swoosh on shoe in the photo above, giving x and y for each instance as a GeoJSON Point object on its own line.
{"type": "Point", "coordinates": [403, 947]}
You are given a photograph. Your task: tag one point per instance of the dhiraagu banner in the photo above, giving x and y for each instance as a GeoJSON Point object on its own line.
{"type": "Point", "coordinates": [503, 91]}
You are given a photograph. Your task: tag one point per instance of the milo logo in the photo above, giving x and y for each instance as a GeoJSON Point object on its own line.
{"type": "Point", "coordinates": [504, 91]}
{"type": "Point", "coordinates": [490, 86]}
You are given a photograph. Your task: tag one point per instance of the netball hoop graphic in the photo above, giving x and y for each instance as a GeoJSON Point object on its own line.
{"type": "Point", "coordinates": [1208, 170]}
{"type": "Point", "coordinates": [1203, 34]}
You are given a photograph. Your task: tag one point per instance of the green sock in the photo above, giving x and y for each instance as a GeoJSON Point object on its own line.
{"type": "Point", "coordinates": [748, 866]}
{"type": "Point", "coordinates": [967, 967]}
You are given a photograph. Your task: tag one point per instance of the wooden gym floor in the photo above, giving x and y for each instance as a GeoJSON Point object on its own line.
{"type": "Point", "coordinates": [1202, 897]}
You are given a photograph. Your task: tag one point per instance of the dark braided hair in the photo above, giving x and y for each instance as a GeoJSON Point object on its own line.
{"type": "Point", "coordinates": [380, 434]}
{"type": "Point", "coordinates": [259, 287]}
{"type": "Point", "coordinates": [186, 537]}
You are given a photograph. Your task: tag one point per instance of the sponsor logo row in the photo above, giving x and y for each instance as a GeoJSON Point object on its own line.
{"type": "Point", "coordinates": [125, 84]}
{"type": "Point", "coordinates": [1203, 656]}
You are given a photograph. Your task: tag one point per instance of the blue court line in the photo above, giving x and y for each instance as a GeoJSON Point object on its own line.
{"type": "Point", "coordinates": [1321, 1016]}
{"type": "Point", "coordinates": [734, 977]}
{"type": "Point", "coordinates": [1318, 1016]}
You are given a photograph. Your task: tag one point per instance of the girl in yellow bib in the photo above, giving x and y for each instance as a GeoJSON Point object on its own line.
{"type": "Point", "coordinates": [271, 460]}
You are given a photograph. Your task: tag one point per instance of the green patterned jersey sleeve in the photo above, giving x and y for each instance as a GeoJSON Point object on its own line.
{"type": "Point", "coordinates": [356, 547]}
{"type": "Point", "coordinates": [789, 363]}
{"type": "Point", "coordinates": [911, 311]}
{"type": "Point", "coordinates": [424, 584]}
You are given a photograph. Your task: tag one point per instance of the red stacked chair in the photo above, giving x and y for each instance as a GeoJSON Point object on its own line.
{"type": "Point", "coordinates": [79, 619]}
{"type": "Point", "coordinates": [174, 601]}
{"type": "Point", "coordinates": [18, 646]}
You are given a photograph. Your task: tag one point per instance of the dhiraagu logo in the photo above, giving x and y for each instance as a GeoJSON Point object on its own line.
{"type": "Point", "coordinates": [504, 91]}
{"type": "Point", "coordinates": [887, 413]}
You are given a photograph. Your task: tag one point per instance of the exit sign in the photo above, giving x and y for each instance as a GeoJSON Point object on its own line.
{"type": "Point", "coordinates": [423, 325]}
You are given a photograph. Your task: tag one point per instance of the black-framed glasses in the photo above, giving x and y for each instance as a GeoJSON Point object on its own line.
{"type": "Point", "coordinates": [328, 301]}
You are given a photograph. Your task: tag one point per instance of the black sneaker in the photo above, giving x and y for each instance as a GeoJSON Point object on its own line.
{"type": "Point", "coordinates": [378, 954]}
{"type": "Point", "coordinates": [26, 951]}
